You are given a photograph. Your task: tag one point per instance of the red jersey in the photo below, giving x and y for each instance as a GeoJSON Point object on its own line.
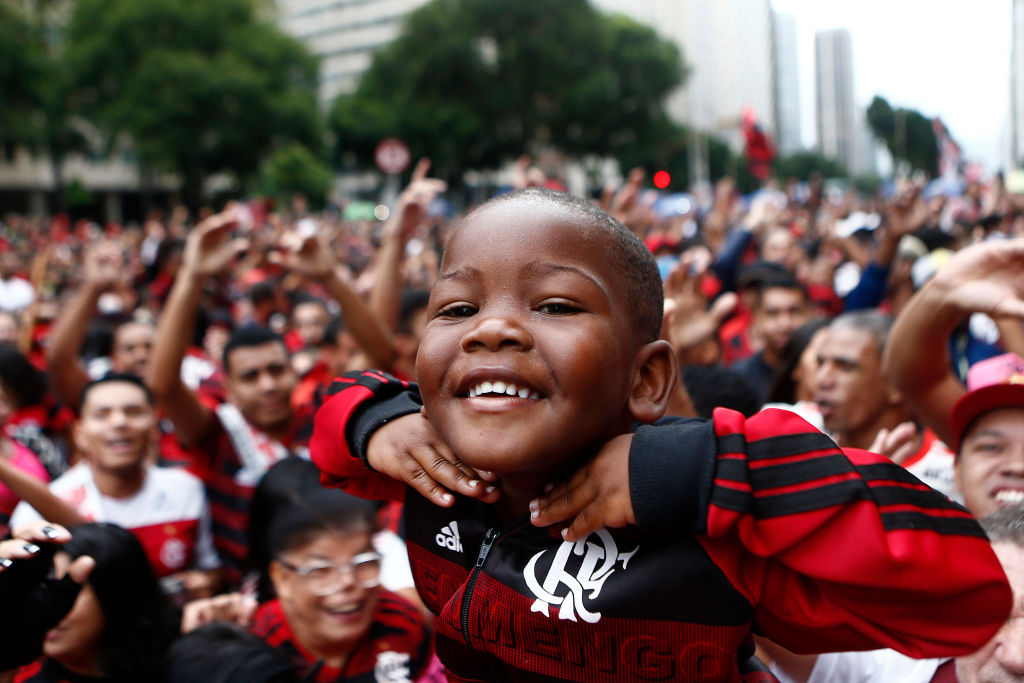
{"type": "Point", "coordinates": [396, 648]}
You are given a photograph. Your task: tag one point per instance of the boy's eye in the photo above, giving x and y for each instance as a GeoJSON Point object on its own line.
{"type": "Point", "coordinates": [557, 308]}
{"type": "Point", "coordinates": [457, 311]}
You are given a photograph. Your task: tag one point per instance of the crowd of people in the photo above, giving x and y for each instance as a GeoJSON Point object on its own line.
{"type": "Point", "coordinates": [822, 380]}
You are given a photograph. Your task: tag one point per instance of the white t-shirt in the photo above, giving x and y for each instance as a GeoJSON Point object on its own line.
{"type": "Point", "coordinates": [872, 666]}
{"type": "Point", "coordinates": [395, 571]}
{"type": "Point", "coordinates": [169, 515]}
{"type": "Point", "coordinates": [15, 294]}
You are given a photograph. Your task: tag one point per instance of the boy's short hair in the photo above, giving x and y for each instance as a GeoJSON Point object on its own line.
{"type": "Point", "coordinates": [125, 377]}
{"type": "Point", "coordinates": [634, 261]}
{"type": "Point", "coordinates": [248, 336]}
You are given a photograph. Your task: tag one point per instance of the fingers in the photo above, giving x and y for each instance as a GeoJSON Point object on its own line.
{"type": "Point", "coordinates": [419, 172]}
{"type": "Point", "coordinates": [218, 222]}
{"type": "Point", "coordinates": [723, 306]}
{"type": "Point", "coordinates": [436, 474]}
{"type": "Point", "coordinates": [233, 607]}
{"type": "Point", "coordinates": [42, 531]}
{"type": "Point", "coordinates": [81, 568]}
{"type": "Point", "coordinates": [562, 502]}
{"type": "Point", "coordinates": [17, 549]}
{"type": "Point", "coordinates": [878, 445]}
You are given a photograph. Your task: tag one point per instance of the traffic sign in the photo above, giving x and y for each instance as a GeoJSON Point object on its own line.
{"type": "Point", "coordinates": [392, 156]}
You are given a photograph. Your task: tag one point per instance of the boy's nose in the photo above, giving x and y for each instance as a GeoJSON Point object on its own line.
{"type": "Point", "coordinates": [495, 333]}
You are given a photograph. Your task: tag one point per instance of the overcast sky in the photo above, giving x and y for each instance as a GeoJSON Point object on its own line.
{"type": "Point", "coordinates": [948, 58]}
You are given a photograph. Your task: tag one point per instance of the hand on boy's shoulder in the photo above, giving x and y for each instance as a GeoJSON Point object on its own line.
{"type": "Point", "coordinates": [408, 449]}
{"type": "Point", "coordinates": [594, 497]}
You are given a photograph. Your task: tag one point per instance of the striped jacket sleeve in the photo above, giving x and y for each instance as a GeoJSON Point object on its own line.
{"type": "Point", "coordinates": [835, 550]}
{"type": "Point", "coordinates": [358, 404]}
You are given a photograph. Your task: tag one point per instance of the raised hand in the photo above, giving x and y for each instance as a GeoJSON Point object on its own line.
{"type": "Point", "coordinates": [907, 213]}
{"type": "Point", "coordinates": [985, 278]}
{"type": "Point", "coordinates": [103, 265]}
{"type": "Point", "coordinates": [210, 249]}
{"type": "Point", "coordinates": [307, 255]}
{"type": "Point", "coordinates": [689, 323]}
{"type": "Point", "coordinates": [413, 202]}
{"type": "Point", "coordinates": [408, 449]}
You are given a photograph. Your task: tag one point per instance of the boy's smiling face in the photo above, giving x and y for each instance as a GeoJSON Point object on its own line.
{"type": "Point", "coordinates": [529, 353]}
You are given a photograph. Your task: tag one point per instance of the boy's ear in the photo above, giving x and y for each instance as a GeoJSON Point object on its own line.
{"type": "Point", "coordinates": [657, 371]}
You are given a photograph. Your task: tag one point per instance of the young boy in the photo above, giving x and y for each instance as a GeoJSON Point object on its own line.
{"type": "Point", "coordinates": [539, 358]}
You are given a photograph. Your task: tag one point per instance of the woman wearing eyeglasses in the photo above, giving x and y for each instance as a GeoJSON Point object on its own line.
{"type": "Point", "coordinates": [325, 608]}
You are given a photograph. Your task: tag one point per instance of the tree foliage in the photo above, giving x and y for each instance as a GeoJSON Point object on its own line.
{"type": "Point", "coordinates": [295, 170]}
{"type": "Point", "coordinates": [23, 72]}
{"type": "Point", "coordinates": [803, 165]}
{"type": "Point", "coordinates": [199, 87]}
{"type": "Point", "coordinates": [907, 134]}
{"type": "Point", "coordinates": [472, 83]}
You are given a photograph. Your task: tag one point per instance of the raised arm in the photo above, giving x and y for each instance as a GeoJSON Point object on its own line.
{"type": "Point", "coordinates": [103, 269]}
{"type": "Point", "coordinates": [36, 493]}
{"type": "Point", "coordinates": [986, 278]}
{"type": "Point", "coordinates": [774, 503]}
{"type": "Point", "coordinates": [209, 250]}
{"type": "Point", "coordinates": [411, 209]}
{"type": "Point", "coordinates": [311, 258]}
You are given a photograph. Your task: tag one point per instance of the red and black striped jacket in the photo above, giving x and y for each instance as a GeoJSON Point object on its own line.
{"type": "Point", "coordinates": [759, 525]}
{"type": "Point", "coordinates": [395, 648]}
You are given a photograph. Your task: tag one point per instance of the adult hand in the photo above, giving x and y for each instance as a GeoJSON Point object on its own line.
{"type": "Point", "coordinates": [103, 265]}
{"type": "Point", "coordinates": [907, 214]}
{"type": "Point", "coordinates": [984, 278]}
{"type": "Point", "coordinates": [689, 323]}
{"type": "Point", "coordinates": [412, 204]}
{"type": "Point", "coordinates": [897, 444]}
{"type": "Point", "coordinates": [233, 607]}
{"type": "Point", "coordinates": [408, 449]}
{"type": "Point", "coordinates": [306, 255]}
{"type": "Point", "coordinates": [33, 602]}
{"type": "Point", "coordinates": [594, 497]}
{"type": "Point", "coordinates": [626, 205]}
{"type": "Point", "coordinates": [209, 249]}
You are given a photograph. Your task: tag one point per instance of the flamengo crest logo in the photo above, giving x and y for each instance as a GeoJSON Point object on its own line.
{"type": "Point", "coordinates": [599, 561]}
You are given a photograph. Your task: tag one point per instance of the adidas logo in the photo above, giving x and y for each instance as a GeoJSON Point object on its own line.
{"type": "Point", "coordinates": [449, 537]}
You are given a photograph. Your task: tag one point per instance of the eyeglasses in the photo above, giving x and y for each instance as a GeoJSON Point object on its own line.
{"type": "Point", "coordinates": [324, 579]}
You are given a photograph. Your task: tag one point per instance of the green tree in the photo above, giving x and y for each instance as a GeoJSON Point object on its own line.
{"type": "Point", "coordinates": [472, 83]}
{"type": "Point", "coordinates": [38, 109]}
{"type": "Point", "coordinates": [22, 74]}
{"type": "Point", "coordinates": [907, 134]}
{"type": "Point", "coordinates": [802, 165]}
{"type": "Point", "coordinates": [198, 87]}
{"type": "Point", "coordinates": [294, 169]}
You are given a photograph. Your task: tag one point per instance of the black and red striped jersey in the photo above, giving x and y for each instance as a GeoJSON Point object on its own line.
{"type": "Point", "coordinates": [395, 649]}
{"type": "Point", "coordinates": [759, 525]}
{"type": "Point", "coordinates": [234, 457]}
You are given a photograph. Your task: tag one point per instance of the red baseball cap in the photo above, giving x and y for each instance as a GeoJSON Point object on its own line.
{"type": "Point", "coordinates": [993, 383]}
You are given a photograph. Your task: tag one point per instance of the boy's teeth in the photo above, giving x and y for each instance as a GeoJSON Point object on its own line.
{"type": "Point", "coordinates": [502, 388]}
{"type": "Point", "coordinates": [1010, 497]}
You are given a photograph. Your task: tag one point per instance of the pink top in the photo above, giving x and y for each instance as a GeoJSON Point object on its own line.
{"type": "Point", "coordinates": [26, 461]}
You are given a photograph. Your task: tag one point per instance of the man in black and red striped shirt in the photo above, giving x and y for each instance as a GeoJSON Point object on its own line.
{"type": "Point", "coordinates": [238, 440]}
